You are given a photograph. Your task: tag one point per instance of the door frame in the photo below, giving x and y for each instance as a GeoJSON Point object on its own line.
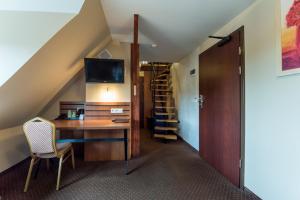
{"type": "Point", "coordinates": [241, 30]}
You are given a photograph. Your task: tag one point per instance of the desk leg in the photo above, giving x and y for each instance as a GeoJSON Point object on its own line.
{"type": "Point", "coordinates": [126, 150]}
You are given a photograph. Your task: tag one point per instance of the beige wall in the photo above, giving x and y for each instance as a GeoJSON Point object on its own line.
{"type": "Point", "coordinates": [73, 91]}
{"type": "Point", "coordinates": [112, 92]}
{"type": "Point", "coordinates": [14, 147]}
{"type": "Point", "coordinates": [78, 90]}
{"type": "Point", "coordinates": [272, 104]}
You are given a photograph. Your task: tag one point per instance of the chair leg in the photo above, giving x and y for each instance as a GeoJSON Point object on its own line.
{"type": "Point", "coordinates": [37, 169]}
{"type": "Point", "coordinates": [29, 174]}
{"type": "Point", "coordinates": [48, 163]}
{"type": "Point", "coordinates": [59, 171]}
{"type": "Point", "coordinates": [73, 159]}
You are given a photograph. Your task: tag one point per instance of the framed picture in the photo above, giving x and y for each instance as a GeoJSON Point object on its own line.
{"type": "Point", "coordinates": [290, 37]}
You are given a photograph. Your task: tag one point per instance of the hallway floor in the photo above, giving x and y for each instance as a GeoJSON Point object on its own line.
{"type": "Point", "coordinates": [164, 171]}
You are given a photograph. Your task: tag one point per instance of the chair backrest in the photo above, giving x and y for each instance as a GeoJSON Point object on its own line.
{"type": "Point", "coordinates": [40, 135]}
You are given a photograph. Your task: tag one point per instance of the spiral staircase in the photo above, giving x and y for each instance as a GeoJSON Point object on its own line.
{"type": "Point", "coordinates": [164, 113]}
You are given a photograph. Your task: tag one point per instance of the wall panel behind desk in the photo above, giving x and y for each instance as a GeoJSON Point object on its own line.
{"type": "Point", "coordinates": [105, 150]}
{"type": "Point", "coordinates": [64, 106]}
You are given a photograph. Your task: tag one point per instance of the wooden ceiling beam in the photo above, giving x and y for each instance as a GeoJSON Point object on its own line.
{"type": "Point", "coordinates": [135, 91]}
{"type": "Point", "coordinates": [136, 29]}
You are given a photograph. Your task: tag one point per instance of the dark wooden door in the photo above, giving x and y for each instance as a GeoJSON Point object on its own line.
{"type": "Point", "coordinates": [220, 115]}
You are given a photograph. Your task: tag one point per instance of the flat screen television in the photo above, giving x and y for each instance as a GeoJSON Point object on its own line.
{"type": "Point", "coordinates": [104, 70]}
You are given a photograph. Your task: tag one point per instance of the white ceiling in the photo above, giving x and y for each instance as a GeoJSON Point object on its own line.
{"type": "Point", "coordinates": [176, 26]}
{"type": "Point", "coordinates": [60, 6]}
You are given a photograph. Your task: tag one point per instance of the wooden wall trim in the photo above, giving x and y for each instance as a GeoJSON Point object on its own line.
{"type": "Point", "coordinates": [108, 103]}
{"type": "Point", "coordinates": [136, 29]}
{"type": "Point", "coordinates": [64, 106]}
{"type": "Point", "coordinates": [101, 110]}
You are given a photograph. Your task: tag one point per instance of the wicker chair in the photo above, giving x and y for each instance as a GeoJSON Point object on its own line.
{"type": "Point", "coordinates": [40, 135]}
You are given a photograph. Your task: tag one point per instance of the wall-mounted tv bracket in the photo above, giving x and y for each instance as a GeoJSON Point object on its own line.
{"type": "Point", "coordinates": [223, 41]}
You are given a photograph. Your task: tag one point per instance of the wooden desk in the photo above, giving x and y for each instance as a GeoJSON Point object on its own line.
{"type": "Point", "coordinates": [90, 125]}
{"type": "Point", "coordinates": [95, 125]}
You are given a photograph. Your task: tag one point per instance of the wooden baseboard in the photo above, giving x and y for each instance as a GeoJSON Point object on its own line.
{"type": "Point", "coordinates": [15, 166]}
{"type": "Point", "coordinates": [249, 192]}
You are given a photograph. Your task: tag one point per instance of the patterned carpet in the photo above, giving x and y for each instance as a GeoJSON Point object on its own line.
{"type": "Point", "coordinates": [164, 171]}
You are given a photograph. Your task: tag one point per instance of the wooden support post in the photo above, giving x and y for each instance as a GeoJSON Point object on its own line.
{"type": "Point", "coordinates": [135, 92]}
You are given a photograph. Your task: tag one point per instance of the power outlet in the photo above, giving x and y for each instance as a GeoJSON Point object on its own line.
{"type": "Point", "coordinates": [116, 110]}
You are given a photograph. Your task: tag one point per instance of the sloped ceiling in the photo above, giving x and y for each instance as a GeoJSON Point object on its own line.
{"type": "Point", "coordinates": [37, 82]}
{"type": "Point", "coordinates": [176, 26]}
{"type": "Point", "coordinates": [23, 34]}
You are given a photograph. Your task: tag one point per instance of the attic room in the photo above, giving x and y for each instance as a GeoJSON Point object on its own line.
{"type": "Point", "coordinates": [138, 99]}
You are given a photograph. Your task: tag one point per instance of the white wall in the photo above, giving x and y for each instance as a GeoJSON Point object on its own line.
{"type": "Point", "coordinates": [185, 90]}
{"type": "Point", "coordinates": [14, 147]}
{"type": "Point", "coordinates": [272, 105]}
{"type": "Point", "coordinates": [112, 92]}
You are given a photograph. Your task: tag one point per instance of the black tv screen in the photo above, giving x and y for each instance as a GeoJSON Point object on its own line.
{"type": "Point", "coordinates": [104, 70]}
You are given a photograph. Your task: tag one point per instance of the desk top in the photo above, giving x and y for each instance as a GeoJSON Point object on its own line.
{"type": "Point", "coordinates": [89, 125]}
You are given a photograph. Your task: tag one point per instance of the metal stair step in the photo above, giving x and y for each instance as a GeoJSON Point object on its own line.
{"type": "Point", "coordinates": [165, 96]}
{"type": "Point", "coordinates": [162, 128]}
{"type": "Point", "coordinates": [161, 80]}
{"type": "Point", "coordinates": [160, 101]}
{"type": "Point", "coordinates": [164, 113]}
{"type": "Point", "coordinates": [162, 95]}
{"type": "Point", "coordinates": [160, 85]}
{"type": "Point", "coordinates": [162, 90]}
{"type": "Point", "coordinates": [162, 75]}
{"type": "Point", "coordinates": [167, 120]}
{"type": "Point", "coordinates": [165, 71]}
{"type": "Point", "coordinates": [165, 136]}
{"type": "Point", "coordinates": [165, 107]}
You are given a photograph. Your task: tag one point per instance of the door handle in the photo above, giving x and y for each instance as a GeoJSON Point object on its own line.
{"type": "Point", "coordinates": [200, 100]}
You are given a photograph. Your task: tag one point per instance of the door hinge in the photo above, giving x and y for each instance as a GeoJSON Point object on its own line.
{"type": "Point", "coordinates": [240, 50]}
{"type": "Point", "coordinates": [240, 164]}
{"type": "Point", "coordinates": [240, 70]}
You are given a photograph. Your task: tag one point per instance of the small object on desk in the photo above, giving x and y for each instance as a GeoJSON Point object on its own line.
{"type": "Point", "coordinates": [116, 110]}
{"type": "Point", "coordinates": [120, 120]}
{"type": "Point", "coordinates": [61, 117]}
{"type": "Point", "coordinates": [69, 114]}
{"type": "Point", "coordinates": [73, 114]}
{"type": "Point", "coordinates": [81, 116]}
{"type": "Point", "coordinates": [73, 118]}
